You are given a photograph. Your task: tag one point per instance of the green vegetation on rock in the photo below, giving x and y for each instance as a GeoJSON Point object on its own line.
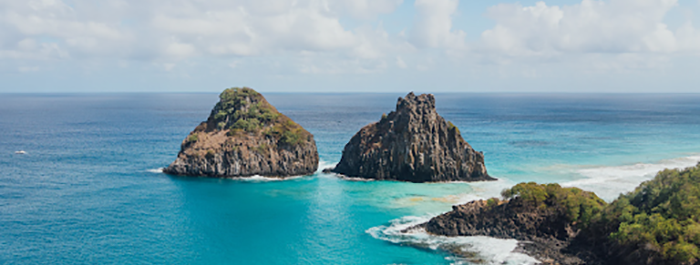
{"type": "Point", "coordinates": [193, 138]}
{"type": "Point", "coordinates": [243, 110]}
{"type": "Point", "coordinates": [663, 213]}
{"type": "Point", "coordinates": [451, 126]}
{"type": "Point", "coordinates": [660, 218]}
{"type": "Point", "coordinates": [579, 206]}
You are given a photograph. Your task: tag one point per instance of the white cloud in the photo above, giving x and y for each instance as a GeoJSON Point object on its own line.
{"type": "Point", "coordinates": [51, 29]}
{"type": "Point", "coordinates": [168, 32]}
{"type": "Point", "coordinates": [365, 9]}
{"type": "Point", "coordinates": [340, 36]}
{"type": "Point", "coordinates": [615, 26]}
{"type": "Point", "coordinates": [433, 26]}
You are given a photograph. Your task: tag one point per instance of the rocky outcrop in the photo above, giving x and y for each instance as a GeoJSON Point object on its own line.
{"type": "Point", "coordinates": [546, 232]}
{"type": "Point", "coordinates": [246, 136]}
{"type": "Point", "coordinates": [547, 219]}
{"type": "Point", "coordinates": [413, 144]}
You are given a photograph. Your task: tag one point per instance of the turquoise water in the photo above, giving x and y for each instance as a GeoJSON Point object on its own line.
{"type": "Point", "coordinates": [89, 191]}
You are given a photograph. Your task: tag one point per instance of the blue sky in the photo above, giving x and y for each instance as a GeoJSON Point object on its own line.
{"type": "Point", "coordinates": [350, 46]}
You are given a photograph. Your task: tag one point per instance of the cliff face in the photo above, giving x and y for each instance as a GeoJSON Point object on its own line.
{"type": "Point", "coordinates": [245, 136]}
{"type": "Point", "coordinates": [413, 144]}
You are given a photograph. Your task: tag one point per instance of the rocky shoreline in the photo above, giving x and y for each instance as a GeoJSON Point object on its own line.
{"type": "Point", "coordinates": [524, 227]}
{"type": "Point", "coordinates": [546, 231]}
{"type": "Point", "coordinates": [655, 224]}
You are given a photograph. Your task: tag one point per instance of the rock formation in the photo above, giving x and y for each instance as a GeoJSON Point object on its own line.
{"type": "Point", "coordinates": [547, 217]}
{"type": "Point", "coordinates": [546, 232]}
{"type": "Point", "coordinates": [413, 144]}
{"type": "Point", "coordinates": [245, 136]}
{"type": "Point", "coordinates": [656, 224]}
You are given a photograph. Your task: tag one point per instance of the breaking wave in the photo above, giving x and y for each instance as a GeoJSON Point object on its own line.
{"type": "Point", "coordinates": [609, 181]}
{"type": "Point", "coordinates": [481, 249]}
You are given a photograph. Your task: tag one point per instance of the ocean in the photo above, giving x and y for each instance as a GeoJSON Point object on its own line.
{"type": "Point", "coordinates": [89, 189]}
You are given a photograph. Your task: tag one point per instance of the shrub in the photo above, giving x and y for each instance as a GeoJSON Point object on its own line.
{"type": "Point", "coordinates": [662, 212]}
{"type": "Point", "coordinates": [249, 112]}
{"type": "Point", "coordinates": [250, 125]}
{"type": "Point", "coordinates": [493, 202]}
{"type": "Point", "coordinates": [577, 205]}
{"type": "Point", "coordinates": [291, 137]}
{"type": "Point", "coordinates": [193, 138]}
{"type": "Point", "coordinates": [220, 115]}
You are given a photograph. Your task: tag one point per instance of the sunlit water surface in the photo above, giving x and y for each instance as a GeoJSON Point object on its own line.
{"type": "Point", "coordinates": [89, 190]}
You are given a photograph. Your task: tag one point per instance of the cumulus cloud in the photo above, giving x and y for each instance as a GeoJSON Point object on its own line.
{"type": "Point", "coordinates": [46, 29]}
{"type": "Point", "coordinates": [433, 25]}
{"type": "Point", "coordinates": [615, 26]}
{"type": "Point", "coordinates": [171, 31]}
{"type": "Point", "coordinates": [365, 9]}
{"type": "Point", "coordinates": [313, 36]}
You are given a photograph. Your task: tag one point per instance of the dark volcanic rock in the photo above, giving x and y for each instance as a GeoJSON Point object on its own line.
{"type": "Point", "coordinates": [246, 136]}
{"type": "Point", "coordinates": [413, 144]}
{"type": "Point", "coordinates": [545, 232]}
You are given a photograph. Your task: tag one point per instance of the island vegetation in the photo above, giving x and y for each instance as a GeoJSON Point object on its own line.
{"type": "Point", "coordinates": [245, 136]}
{"type": "Point", "coordinates": [662, 215]}
{"type": "Point", "coordinates": [244, 110]}
{"type": "Point", "coordinates": [577, 206]}
{"type": "Point", "coordinates": [657, 223]}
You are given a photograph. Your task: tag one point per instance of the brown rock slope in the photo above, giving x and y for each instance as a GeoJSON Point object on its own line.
{"type": "Point", "coordinates": [246, 136]}
{"type": "Point", "coordinates": [413, 144]}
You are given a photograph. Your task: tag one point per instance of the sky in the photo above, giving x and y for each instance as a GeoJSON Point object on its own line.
{"type": "Point", "coordinates": [340, 46]}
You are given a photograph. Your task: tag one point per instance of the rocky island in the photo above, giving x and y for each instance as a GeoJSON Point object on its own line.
{"type": "Point", "coordinates": [658, 223]}
{"type": "Point", "coordinates": [413, 144]}
{"type": "Point", "coordinates": [246, 136]}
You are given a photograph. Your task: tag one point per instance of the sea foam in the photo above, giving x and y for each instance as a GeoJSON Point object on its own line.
{"type": "Point", "coordinates": [156, 170]}
{"type": "Point", "coordinates": [254, 178]}
{"type": "Point", "coordinates": [258, 178]}
{"type": "Point", "coordinates": [324, 164]}
{"type": "Point", "coordinates": [609, 181]}
{"type": "Point", "coordinates": [487, 249]}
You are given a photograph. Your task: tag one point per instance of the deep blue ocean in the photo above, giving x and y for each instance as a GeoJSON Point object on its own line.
{"type": "Point", "coordinates": [89, 191]}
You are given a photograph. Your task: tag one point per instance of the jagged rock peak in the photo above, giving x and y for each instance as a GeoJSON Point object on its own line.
{"type": "Point", "coordinates": [412, 143]}
{"type": "Point", "coordinates": [244, 136]}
